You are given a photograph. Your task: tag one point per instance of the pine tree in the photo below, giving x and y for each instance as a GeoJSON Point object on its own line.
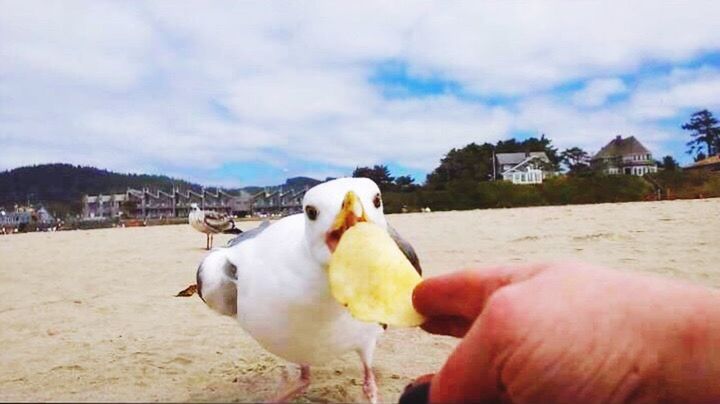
{"type": "Point", "coordinates": [705, 133]}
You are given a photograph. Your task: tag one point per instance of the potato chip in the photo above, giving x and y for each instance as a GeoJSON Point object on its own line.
{"type": "Point", "coordinates": [371, 276]}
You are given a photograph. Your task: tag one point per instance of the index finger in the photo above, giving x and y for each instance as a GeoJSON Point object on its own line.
{"type": "Point", "coordinates": [464, 293]}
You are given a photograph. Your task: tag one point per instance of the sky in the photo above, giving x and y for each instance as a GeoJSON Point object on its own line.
{"type": "Point", "coordinates": [243, 93]}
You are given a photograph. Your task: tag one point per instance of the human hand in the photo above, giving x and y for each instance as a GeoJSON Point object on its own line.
{"type": "Point", "coordinates": [572, 333]}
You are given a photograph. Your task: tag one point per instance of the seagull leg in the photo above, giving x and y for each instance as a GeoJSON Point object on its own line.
{"type": "Point", "coordinates": [296, 388]}
{"type": "Point", "coordinates": [211, 240]}
{"type": "Point", "coordinates": [369, 386]}
{"type": "Point", "coordinates": [207, 241]}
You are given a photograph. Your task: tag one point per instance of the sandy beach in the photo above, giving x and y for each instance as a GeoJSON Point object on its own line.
{"type": "Point", "coordinates": [91, 315]}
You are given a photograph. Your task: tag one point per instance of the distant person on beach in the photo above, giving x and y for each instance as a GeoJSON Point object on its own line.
{"type": "Point", "coordinates": [570, 333]}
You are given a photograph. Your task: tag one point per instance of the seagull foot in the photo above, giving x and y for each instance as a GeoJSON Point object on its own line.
{"type": "Point", "coordinates": [296, 388]}
{"type": "Point", "coordinates": [369, 386]}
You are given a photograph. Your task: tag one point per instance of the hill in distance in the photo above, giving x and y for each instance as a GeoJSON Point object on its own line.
{"type": "Point", "coordinates": [290, 183]}
{"type": "Point", "coordinates": [60, 187]}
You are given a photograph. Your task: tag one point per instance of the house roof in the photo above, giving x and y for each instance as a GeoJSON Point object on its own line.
{"type": "Point", "coordinates": [712, 160]}
{"type": "Point", "coordinates": [243, 196]}
{"type": "Point", "coordinates": [517, 158]}
{"type": "Point", "coordinates": [621, 147]}
{"type": "Point", "coordinates": [525, 162]}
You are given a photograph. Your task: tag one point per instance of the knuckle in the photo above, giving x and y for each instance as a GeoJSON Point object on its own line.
{"type": "Point", "coordinates": [501, 315]}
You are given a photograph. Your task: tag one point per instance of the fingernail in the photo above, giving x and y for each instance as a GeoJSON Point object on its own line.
{"type": "Point", "coordinates": [416, 393]}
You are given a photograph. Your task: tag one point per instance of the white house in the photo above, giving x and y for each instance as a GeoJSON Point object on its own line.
{"type": "Point", "coordinates": [523, 168]}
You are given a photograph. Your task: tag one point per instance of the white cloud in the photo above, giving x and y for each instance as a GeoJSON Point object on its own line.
{"type": "Point", "coordinates": [93, 43]}
{"type": "Point", "coordinates": [667, 96]}
{"type": "Point", "coordinates": [654, 99]}
{"type": "Point", "coordinates": [157, 87]}
{"type": "Point", "coordinates": [568, 125]}
{"type": "Point", "coordinates": [519, 47]}
{"type": "Point", "coordinates": [597, 91]}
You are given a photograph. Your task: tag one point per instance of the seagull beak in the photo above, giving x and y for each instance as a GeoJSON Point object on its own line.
{"type": "Point", "coordinates": [352, 212]}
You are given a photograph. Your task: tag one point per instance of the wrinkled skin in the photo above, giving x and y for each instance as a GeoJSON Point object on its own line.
{"type": "Point", "coordinates": [572, 333]}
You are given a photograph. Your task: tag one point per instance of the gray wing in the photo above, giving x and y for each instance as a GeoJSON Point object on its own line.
{"type": "Point", "coordinates": [217, 276]}
{"type": "Point", "coordinates": [406, 248]}
{"type": "Point", "coordinates": [217, 283]}
{"type": "Point", "coordinates": [249, 234]}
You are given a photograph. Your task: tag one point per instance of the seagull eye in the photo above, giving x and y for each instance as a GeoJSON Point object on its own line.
{"type": "Point", "coordinates": [377, 201]}
{"type": "Point", "coordinates": [311, 212]}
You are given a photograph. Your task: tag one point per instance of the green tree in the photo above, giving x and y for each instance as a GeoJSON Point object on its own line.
{"type": "Point", "coordinates": [378, 173]}
{"type": "Point", "coordinates": [705, 132]}
{"type": "Point", "coordinates": [405, 183]}
{"type": "Point", "coordinates": [668, 163]}
{"type": "Point", "coordinates": [575, 159]}
{"type": "Point", "coordinates": [471, 163]}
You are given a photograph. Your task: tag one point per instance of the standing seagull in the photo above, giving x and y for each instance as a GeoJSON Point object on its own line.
{"type": "Point", "coordinates": [210, 223]}
{"type": "Point", "coordinates": [274, 281]}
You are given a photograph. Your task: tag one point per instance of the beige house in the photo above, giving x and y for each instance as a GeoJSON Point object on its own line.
{"type": "Point", "coordinates": [278, 202]}
{"type": "Point", "coordinates": [624, 156]}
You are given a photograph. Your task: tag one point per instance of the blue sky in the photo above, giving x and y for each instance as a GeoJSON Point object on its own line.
{"type": "Point", "coordinates": [250, 93]}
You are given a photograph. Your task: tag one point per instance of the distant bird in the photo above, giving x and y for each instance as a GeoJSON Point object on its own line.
{"type": "Point", "coordinates": [273, 279]}
{"type": "Point", "coordinates": [211, 223]}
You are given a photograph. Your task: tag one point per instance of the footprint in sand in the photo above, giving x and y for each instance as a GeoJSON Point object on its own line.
{"type": "Point", "coordinates": [180, 361]}
{"type": "Point", "coordinates": [73, 368]}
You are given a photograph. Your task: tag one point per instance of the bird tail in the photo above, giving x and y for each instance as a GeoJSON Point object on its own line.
{"type": "Point", "coordinates": [233, 229]}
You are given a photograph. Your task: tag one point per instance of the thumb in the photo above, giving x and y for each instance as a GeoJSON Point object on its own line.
{"type": "Point", "coordinates": [469, 374]}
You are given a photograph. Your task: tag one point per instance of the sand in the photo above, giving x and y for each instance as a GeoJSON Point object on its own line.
{"type": "Point", "coordinates": [90, 315]}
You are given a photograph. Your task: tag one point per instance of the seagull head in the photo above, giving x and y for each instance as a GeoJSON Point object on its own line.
{"type": "Point", "coordinates": [333, 207]}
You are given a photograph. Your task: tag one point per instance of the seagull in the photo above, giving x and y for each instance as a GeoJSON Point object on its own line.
{"type": "Point", "coordinates": [209, 222]}
{"type": "Point", "coordinates": [273, 280]}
